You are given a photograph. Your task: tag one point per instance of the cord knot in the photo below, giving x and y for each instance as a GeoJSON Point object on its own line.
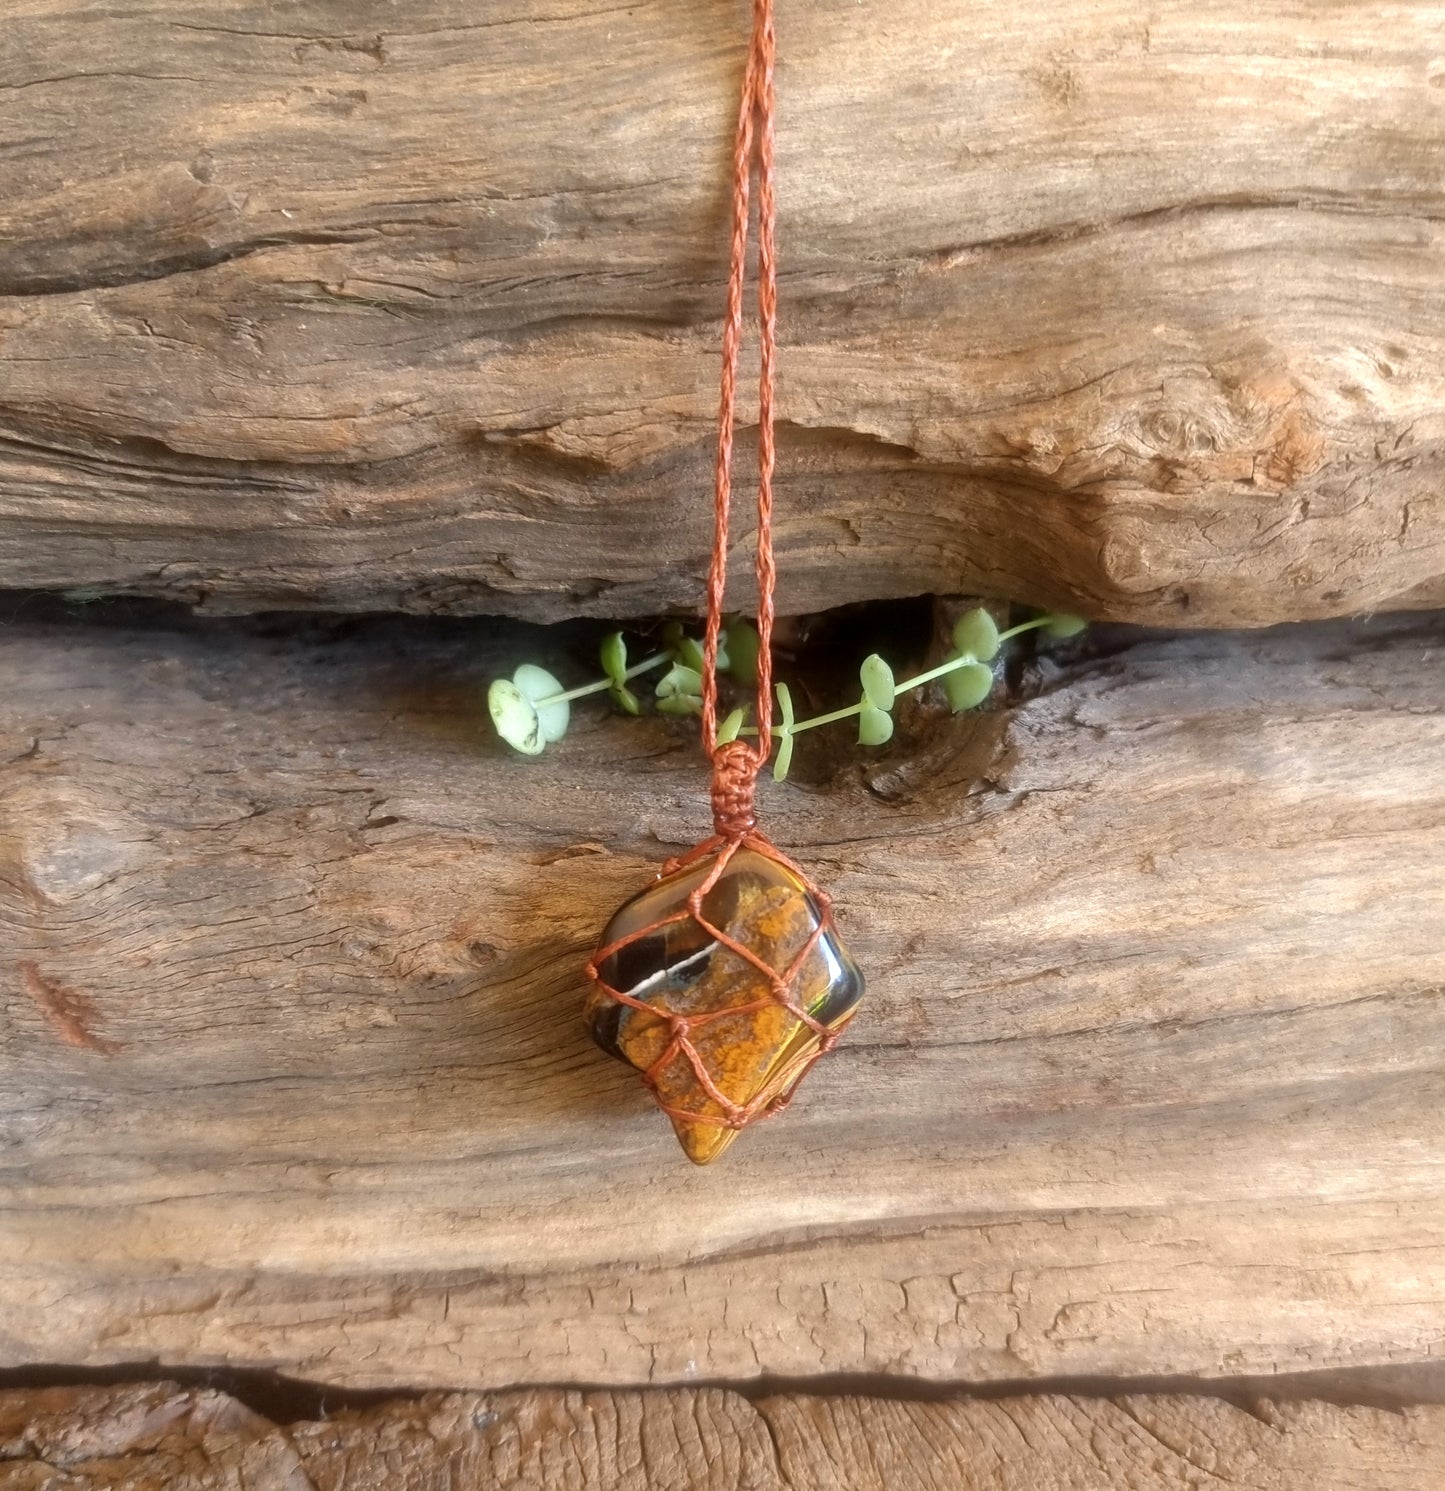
{"type": "Point", "coordinates": [734, 782]}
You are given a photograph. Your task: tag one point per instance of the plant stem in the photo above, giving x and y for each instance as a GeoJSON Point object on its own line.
{"type": "Point", "coordinates": [1027, 626]}
{"type": "Point", "coordinates": [605, 683]}
{"type": "Point", "coordinates": [655, 661]}
{"type": "Point", "coordinates": [829, 719]}
{"type": "Point", "coordinates": [853, 710]}
{"type": "Point", "coordinates": [958, 662]}
{"type": "Point", "coordinates": [908, 684]}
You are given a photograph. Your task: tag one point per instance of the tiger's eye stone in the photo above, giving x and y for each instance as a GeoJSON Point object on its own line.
{"type": "Point", "coordinates": [765, 907]}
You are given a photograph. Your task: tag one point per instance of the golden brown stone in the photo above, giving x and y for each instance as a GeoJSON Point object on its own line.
{"type": "Point", "coordinates": [675, 964]}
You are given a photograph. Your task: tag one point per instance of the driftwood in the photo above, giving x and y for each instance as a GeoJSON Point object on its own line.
{"type": "Point", "coordinates": [159, 1436]}
{"type": "Point", "coordinates": [1148, 1080]}
{"type": "Point", "coordinates": [1141, 313]}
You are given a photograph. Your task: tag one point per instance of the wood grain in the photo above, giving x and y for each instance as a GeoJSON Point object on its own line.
{"type": "Point", "coordinates": [157, 1435]}
{"type": "Point", "coordinates": [1148, 1079]}
{"type": "Point", "coordinates": [418, 308]}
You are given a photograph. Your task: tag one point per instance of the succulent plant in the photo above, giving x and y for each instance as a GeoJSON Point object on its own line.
{"type": "Point", "coordinates": [531, 710]}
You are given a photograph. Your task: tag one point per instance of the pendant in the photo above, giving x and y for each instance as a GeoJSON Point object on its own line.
{"type": "Point", "coordinates": [722, 984]}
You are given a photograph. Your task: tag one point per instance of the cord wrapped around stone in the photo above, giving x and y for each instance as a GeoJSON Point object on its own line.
{"type": "Point", "coordinates": [722, 984]}
{"type": "Point", "coordinates": [725, 981]}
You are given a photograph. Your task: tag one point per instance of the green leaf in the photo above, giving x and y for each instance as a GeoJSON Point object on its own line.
{"type": "Point", "coordinates": [729, 728]}
{"type": "Point", "coordinates": [877, 680]}
{"type": "Point", "coordinates": [614, 658]}
{"type": "Point", "coordinates": [625, 699]}
{"type": "Point", "coordinates": [679, 704]}
{"type": "Point", "coordinates": [1062, 625]}
{"type": "Point", "coordinates": [689, 653]}
{"type": "Point", "coordinates": [540, 687]}
{"type": "Point", "coordinates": [968, 686]}
{"type": "Point", "coordinates": [515, 718]}
{"type": "Point", "coordinates": [976, 633]}
{"type": "Point", "coordinates": [875, 726]}
{"type": "Point", "coordinates": [743, 647]}
{"type": "Point", "coordinates": [784, 733]}
{"type": "Point", "coordinates": [680, 681]}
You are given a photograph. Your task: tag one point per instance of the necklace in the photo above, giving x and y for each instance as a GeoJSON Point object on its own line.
{"type": "Point", "coordinates": [725, 980]}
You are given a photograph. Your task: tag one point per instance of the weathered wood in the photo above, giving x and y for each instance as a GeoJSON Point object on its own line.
{"type": "Point", "coordinates": [1143, 314]}
{"type": "Point", "coordinates": [293, 1076]}
{"type": "Point", "coordinates": [156, 1435]}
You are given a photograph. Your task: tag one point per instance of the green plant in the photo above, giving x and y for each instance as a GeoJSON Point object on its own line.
{"type": "Point", "coordinates": [531, 709]}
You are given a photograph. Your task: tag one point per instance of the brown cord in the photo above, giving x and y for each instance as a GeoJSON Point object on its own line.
{"type": "Point", "coordinates": [734, 783]}
{"type": "Point", "coordinates": [736, 763]}
{"type": "Point", "coordinates": [779, 984]}
{"type": "Point", "coordinates": [736, 766]}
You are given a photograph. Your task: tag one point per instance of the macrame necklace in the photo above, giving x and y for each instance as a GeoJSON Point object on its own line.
{"type": "Point", "coordinates": [724, 981]}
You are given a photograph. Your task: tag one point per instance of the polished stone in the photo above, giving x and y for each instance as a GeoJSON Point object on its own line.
{"type": "Point", "coordinates": [765, 907]}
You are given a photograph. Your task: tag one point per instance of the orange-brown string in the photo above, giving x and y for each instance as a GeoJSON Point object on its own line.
{"type": "Point", "coordinates": [779, 985]}
{"type": "Point", "coordinates": [734, 783]}
{"type": "Point", "coordinates": [736, 765]}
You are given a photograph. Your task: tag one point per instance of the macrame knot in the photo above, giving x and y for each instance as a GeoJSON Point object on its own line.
{"type": "Point", "coordinates": [734, 783]}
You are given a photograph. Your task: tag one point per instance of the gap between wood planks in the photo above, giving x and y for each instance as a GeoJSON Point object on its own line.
{"type": "Point", "coordinates": [287, 1400]}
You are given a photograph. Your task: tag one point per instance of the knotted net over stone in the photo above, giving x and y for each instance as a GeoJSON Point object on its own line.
{"type": "Point", "coordinates": [722, 983]}
{"type": "Point", "coordinates": [725, 981]}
